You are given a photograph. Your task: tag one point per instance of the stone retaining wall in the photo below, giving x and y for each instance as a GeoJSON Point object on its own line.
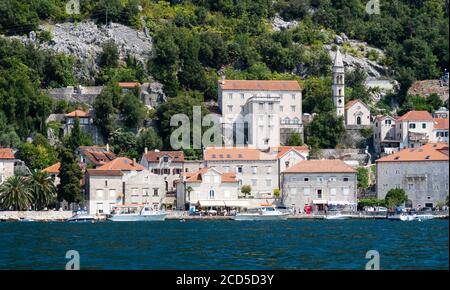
{"type": "Point", "coordinates": [35, 215]}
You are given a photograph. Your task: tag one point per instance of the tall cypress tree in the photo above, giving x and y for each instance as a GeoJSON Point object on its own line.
{"type": "Point", "coordinates": [70, 175]}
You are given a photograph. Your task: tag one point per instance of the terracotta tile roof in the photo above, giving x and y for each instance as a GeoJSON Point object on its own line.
{"type": "Point", "coordinates": [155, 156]}
{"type": "Point", "coordinates": [353, 102]}
{"type": "Point", "coordinates": [235, 153]}
{"type": "Point", "coordinates": [77, 113]}
{"type": "Point", "coordinates": [382, 117]}
{"type": "Point", "coordinates": [321, 166]}
{"type": "Point", "coordinates": [197, 177]}
{"type": "Point", "coordinates": [129, 85]}
{"type": "Point", "coordinates": [440, 124]}
{"type": "Point", "coordinates": [285, 149]}
{"type": "Point", "coordinates": [416, 116]}
{"type": "Point", "coordinates": [97, 155]}
{"type": "Point", "coordinates": [98, 172]}
{"type": "Point", "coordinates": [6, 153]}
{"type": "Point", "coordinates": [53, 169]}
{"type": "Point", "coordinates": [122, 164]}
{"type": "Point", "coordinates": [260, 85]}
{"type": "Point", "coordinates": [427, 152]}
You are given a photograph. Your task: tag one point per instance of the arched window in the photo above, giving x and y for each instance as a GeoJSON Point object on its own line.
{"type": "Point", "coordinates": [211, 193]}
{"type": "Point", "coordinates": [295, 121]}
{"type": "Point", "coordinates": [358, 120]}
{"type": "Point", "coordinates": [286, 120]}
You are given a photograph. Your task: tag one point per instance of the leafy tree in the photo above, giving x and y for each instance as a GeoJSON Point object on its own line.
{"type": "Point", "coordinates": [371, 202]}
{"type": "Point", "coordinates": [109, 57]}
{"type": "Point", "coordinates": [246, 190]}
{"type": "Point", "coordinates": [132, 111]}
{"type": "Point", "coordinates": [276, 192]}
{"type": "Point", "coordinates": [326, 130]}
{"type": "Point", "coordinates": [15, 194]}
{"type": "Point", "coordinates": [149, 139]}
{"type": "Point", "coordinates": [123, 143]}
{"type": "Point", "coordinates": [104, 110]}
{"type": "Point", "coordinates": [395, 197]}
{"type": "Point", "coordinates": [70, 175]}
{"type": "Point", "coordinates": [363, 177]}
{"type": "Point", "coordinates": [37, 155]}
{"type": "Point", "coordinates": [42, 188]}
{"type": "Point", "coordinates": [295, 140]}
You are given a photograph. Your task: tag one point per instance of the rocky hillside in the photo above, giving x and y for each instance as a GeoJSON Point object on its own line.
{"type": "Point", "coordinates": [84, 40]}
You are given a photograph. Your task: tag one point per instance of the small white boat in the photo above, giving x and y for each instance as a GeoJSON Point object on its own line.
{"type": "Point", "coordinates": [263, 212]}
{"type": "Point", "coordinates": [136, 213]}
{"type": "Point", "coordinates": [338, 216]}
{"type": "Point", "coordinates": [81, 216]}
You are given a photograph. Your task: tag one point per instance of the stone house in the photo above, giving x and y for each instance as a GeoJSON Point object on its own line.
{"type": "Point", "coordinates": [210, 188]}
{"type": "Point", "coordinates": [168, 164]}
{"type": "Point", "coordinates": [264, 112]}
{"type": "Point", "coordinates": [412, 130]}
{"type": "Point", "coordinates": [94, 156]}
{"type": "Point", "coordinates": [321, 184]}
{"type": "Point", "coordinates": [122, 181]}
{"type": "Point", "coordinates": [422, 172]}
{"type": "Point", "coordinates": [7, 160]}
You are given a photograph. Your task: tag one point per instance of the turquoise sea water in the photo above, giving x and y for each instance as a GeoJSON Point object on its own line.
{"type": "Point", "coordinates": [292, 244]}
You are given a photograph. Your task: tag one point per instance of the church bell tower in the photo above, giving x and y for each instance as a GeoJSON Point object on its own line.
{"type": "Point", "coordinates": [338, 84]}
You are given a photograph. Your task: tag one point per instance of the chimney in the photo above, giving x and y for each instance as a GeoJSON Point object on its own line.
{"type": "Point", "coordinates": [107, 147]}
{"type": "Point", "coordinates": [222, 81]}
{"type": "Point", "coordinates": [145, 150]}
{"type": "Point", "coordinates": [134, 162]}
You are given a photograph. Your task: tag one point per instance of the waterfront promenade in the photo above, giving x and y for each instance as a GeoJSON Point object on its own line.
{"type": "Point", "coordinates": [173, 215]}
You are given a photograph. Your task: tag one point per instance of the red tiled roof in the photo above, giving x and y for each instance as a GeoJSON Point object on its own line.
{"type": "Point", "coordinates": [440, 124]}
{"type": "Point", "coordinates": [155, 156]}
{"type": "Point", "coordinates": [235, 153]}
{"type": "Point", "coordinates": [53, 169]}
{"type": "Point", "coordinates": [416, 116]}
{"type": "Point", "coordinates": [198, 176]}
{"type": "Point", "coordinates": [260, 85]}
{"type": "Point", "coordinates": [285, 149]}
{"type": "Point", "coordinates": [97, 155]}
{"type": "Point", "coordinates": [353, 102]}
{"type": "Point", "coordinates": [6, 153]}
{"type": "Point", "coordinates": [321, 166]}
{"type": "Point", "coordinates": [129, 85]}
{"type": "Point", "coordinates": [122, 164]}
{"type": "Point", "coordinates": [77, 113]}
{"type": "Point", "coordinates": [427, 152]}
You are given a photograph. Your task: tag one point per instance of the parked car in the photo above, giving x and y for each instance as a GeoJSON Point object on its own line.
{"type": "Point", "coordinates": [426, 209]}
{"type": "Point", "coordinates": [381, 209]}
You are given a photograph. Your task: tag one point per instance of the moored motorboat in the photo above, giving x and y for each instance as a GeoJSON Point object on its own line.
{"type": "Point", "coordinates": [136, 213]}
{"type": "Point", "coordinates": [263, 212]}
{"type": "Point", "coordinates": [338, 216]}
{"type": "Point", "coordinates": [410, 217]}
{"type": "Point", "coordinates": [81, 216]}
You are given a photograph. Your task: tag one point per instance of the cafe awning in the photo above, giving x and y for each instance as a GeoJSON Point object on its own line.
{"type": "Point", "coordinates": [338, 202]}
{"type": "Point", "coordinates": [320, 201]}
{"type": "Point", "coordinates": [237, 203]}
{"type": "Point", "coordinates": [210, 203]}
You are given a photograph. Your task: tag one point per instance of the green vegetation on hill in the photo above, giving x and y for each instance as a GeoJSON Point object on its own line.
{"type": "Point", "coordinates": [195, 41]}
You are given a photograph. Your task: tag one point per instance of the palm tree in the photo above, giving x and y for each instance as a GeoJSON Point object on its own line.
{"type": "Point", "coordinates": [42, 189]}
{"type": "Point", "coordinates": [14, 193]}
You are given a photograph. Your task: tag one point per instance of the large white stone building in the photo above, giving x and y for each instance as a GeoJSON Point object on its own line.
{"type": "Point", "coordinates": [259, 169]}
{"type": "Point", "coordinates": [423, 173]}
{"type": "Point", "coordinates": [259, 113]}
{"type": "Point", "coordinates": [7, 160]}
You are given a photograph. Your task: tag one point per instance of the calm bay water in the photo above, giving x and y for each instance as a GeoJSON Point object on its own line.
{"type": "Point", "coordinates": [293, 244]}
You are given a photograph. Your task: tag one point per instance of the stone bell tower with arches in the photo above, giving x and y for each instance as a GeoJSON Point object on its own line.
{"type": "Point", "coordinates": [339, 84]}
